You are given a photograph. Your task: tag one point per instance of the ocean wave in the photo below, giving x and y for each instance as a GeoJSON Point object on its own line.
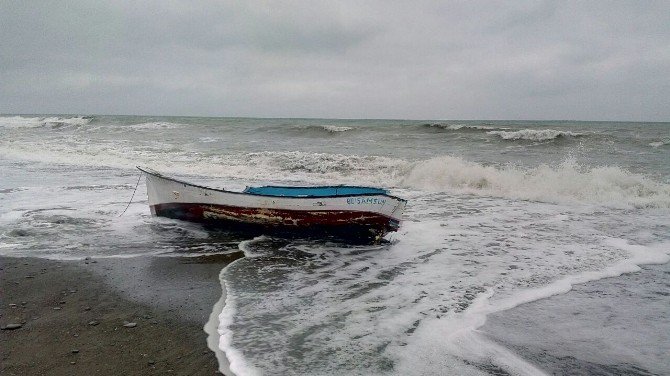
{"type": "Point", "coordinates": [322, 128]}
{"type": "Point", "coordinates": [35, 122]}
{"type": "Point", "coordinates": [335, 128]}
{"type": "Point", "coordinates": [534, 134]}
{"type": "Point", "coordinates": [155, 125]}
{"type": "Point", "coordinates": [322, 167]}
{"type": "Point", "coordinates": [658, 144]}
{"type": "Point", "coordinates": [566, 183]}
{"type": "Point", "coordinates": [463, 127]}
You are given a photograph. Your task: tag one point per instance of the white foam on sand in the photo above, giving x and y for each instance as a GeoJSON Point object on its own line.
{"type": "Point", "coordinates": [212, 329]}
{"type": "Point", "coordinates": [237, 362]}
{"type": "Point", "coordinates": [223, 315]}
{"type": "Point", "coordinates": [457, 334]}
{"type": "Point", "coordinates": [363, 299]}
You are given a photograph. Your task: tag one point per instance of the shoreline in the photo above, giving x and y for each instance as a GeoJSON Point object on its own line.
{"type": "Point", "coordinates": [108, 316]}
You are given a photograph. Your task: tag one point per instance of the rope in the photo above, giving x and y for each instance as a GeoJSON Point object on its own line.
{"type": "Point", "coordinates": [131, 197]}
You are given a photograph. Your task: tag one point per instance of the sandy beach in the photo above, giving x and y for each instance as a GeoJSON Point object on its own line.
{"type": "Point", "coordinates": [78, 318]}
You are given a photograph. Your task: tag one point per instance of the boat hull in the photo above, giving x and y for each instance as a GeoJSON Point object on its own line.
{"type": "Point", "coordinates": [352, 226]}
{"type": "Point", "coordinates": [356, 218]}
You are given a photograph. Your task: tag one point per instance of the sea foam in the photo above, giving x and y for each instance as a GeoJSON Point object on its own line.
{"type": "Point", "coordinates": [657, 144]}
{"type": "Point", "coordinates": [154, 125]}
{"type": "Point", "coordinates": [237, 363]}
{"type": "Point", "coordinates": [568, 182]}
{"type": "Point", "coordinates": [336, 129]}
{"type": "Point", "coordinates": [457, 335]}
{"type": "Point", "coordinates": [322, 128]}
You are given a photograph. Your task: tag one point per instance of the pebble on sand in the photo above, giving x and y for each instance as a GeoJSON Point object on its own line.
{"type": "Point", "coordinates": [129, 324]}
{"type": "Point", "coordinates": [11, 326]}
{"type": "Point", "coordinates": [93, 323]}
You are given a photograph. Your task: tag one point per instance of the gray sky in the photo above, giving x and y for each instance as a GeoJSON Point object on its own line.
{"type": "Point", "coordinates": [587, 60]}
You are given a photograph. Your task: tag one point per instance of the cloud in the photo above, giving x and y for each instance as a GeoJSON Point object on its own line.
{"type": "Point", "coordinates": [428, 59]}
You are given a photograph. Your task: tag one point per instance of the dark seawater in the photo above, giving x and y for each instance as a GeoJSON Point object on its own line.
{"type": "Point", "coordinates": [607, 327]}
{"type": "Point", "coordinates": [500, 214]}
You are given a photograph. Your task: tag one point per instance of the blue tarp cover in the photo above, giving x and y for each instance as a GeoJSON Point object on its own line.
{"type": "Point", "coordinates": [327, 191]}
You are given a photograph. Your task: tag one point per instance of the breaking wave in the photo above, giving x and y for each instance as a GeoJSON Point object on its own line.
{"type": "Point", "coordinates": [323, 128]}
{"type": "Point", "coordinates": [35, 122]}
{"type": "Point", "coordinates": [534, 134]}
{"type": "Point", "coordinates": [568, 182]}
{"type": "Point", "coordinates": [658, 144]}
{"type": "Point", "coordinates": [155, 125]}
{"type": "Point", "coordinates": [335, 128]}
{"type": "Point", "coordinates": [463, 127]}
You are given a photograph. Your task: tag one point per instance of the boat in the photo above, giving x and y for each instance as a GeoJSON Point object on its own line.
{"type": "Point", "coordinates": [341, 212]}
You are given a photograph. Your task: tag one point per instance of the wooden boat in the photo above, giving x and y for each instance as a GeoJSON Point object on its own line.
{"type": "Point", "coordinates": [350, 213]}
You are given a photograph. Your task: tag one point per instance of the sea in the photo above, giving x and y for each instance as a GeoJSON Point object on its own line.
{"type": "Point", "coordinates": [527, 247]}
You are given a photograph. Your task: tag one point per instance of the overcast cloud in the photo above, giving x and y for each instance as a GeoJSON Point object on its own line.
{"type": "Point", "coordinates": [583, 60]}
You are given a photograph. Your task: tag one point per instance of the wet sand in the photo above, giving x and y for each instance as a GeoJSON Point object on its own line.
{"type": "Point", "coordinates": [72, 316]}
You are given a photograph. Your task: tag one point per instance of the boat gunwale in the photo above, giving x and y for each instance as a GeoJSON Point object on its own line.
{"type": "Point", "coordinates": [159, 175]}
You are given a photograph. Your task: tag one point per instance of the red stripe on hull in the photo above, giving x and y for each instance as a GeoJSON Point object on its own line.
{"type": "Point", "coordinates": [349, 226]}
{"type": "Point", "coordinates": [273, 217]}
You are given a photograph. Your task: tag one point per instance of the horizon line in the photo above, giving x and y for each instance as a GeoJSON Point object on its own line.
{"type": "Point", "coordinates": [329, 118]}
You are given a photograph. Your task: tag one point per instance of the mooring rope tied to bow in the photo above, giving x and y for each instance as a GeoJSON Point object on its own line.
{"type": "Point", "coordinates": [133, 196]}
